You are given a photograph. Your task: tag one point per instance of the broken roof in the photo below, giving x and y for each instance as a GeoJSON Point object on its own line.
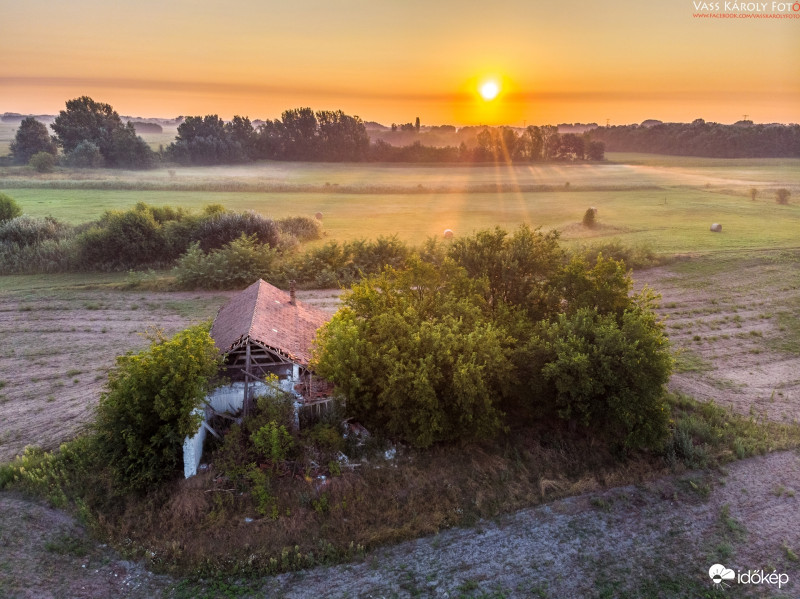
{"type": "Point", "coordinates": [266, 315]}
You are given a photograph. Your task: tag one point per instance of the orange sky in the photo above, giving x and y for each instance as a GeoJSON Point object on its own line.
{"type": "Point", "coordinates": [390, 61]}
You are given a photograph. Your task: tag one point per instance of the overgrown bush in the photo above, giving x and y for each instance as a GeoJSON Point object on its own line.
{"type": "Point", "coordinates": [8, 208]}
{"type": "Point", "coordinates": [503, 324]}
{"type": "Point", "coordinates": [233, 266]}
{"type": "Point", "coordinates": [608, 375]}
{"type": "Point", "coordinates": [414, 357]}
{"type": "Point", "coordinates": [782, 195]}
{"type": "Point", "coordinates": [222, 228]}
{"type": "Point", "coordinates": [637, 256]}
{"type": "Point", "coordinates": [27, 230]}
{"type": "Point", "coordinates": [149, 407]}
{"type": "Point", "coordinates": [42, 162]}
{"type": "Point", "coordinates": [302, 228]}
{"type": "Point", "coordinates": [124, 240]}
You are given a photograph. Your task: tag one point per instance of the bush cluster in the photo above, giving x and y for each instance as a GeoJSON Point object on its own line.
{"type": "Point", "coordinates": [150, 406]}
{"type": "Point", "coordinates": [499, 329]}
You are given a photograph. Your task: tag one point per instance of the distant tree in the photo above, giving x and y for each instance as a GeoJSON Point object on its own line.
{"type": "Point", "coordinates": [595, 150]}
{"type": "Point", "coordinates": [753, 193]}
{"type": "Point", "coordinates": [782, 195]}
{"type": "Point", "coordinates": [241, 138]}
{"type": "Point", "coordinates": [341, 137]}
{"type": "Point", "coordinates": [416, 125]}
{"type": "Point", "coordinates": [8, 208]}
{"type": "Point", "coordinates": [31, 138]}
{"type": "Point", "coordinates": [571, 147]}
{"type": "Point", "coordinates": [129, 150]}
{"type": "Point", "coordinates": [201, 140]}
{"type": "Point", "coordinates": [85, 155]}
{"type": "Point", "coordinates": [300, 134]}
{"type": "Point", "coordinates": [85, 120]}
{"type": "Point", "coordinates": [42, 162]}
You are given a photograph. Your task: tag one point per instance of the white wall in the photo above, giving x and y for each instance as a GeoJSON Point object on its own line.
{"type": "Point", "coordinates": [229, 398]}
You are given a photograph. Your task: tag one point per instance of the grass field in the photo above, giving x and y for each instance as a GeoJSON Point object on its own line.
{"type": "Point", "coordinates": [672, 220]}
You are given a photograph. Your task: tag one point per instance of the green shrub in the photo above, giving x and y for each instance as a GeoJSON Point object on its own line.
{"type": "Point", "coordinates": [634, 256]}
{"type": "Point", "coordinates": [124, 240]}
{"type": "Point", "coordinates": [609, 375]}
{"type": "Point", "coordinates": [222, 228]}
{"type": "Point", "coordinates": [273, 442]}
{"type": "Point", "coordinates": [150, 404]}
{"type": "Point", "coordinates": [27, 230]}
{"type": "Point", "coordinates": [42, 162]}
{"type": "Point", "coordinates": [85, 155]}
{"type": "Point", "coordinates": [233, 266]}
{"type": "Point", "coordinates": [302, 228]}
{"type": "Point", "coordinates": [8, 208]}
{"type": "Point", "coordinates": [414, 358]}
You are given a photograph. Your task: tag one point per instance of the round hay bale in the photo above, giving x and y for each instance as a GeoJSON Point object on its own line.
{"type": "Point", "coordinates": [448, 233]}
{"type": "Point", "coordinates": [318, 216]}
{"type": "Point", "coordinates": [716, 228]}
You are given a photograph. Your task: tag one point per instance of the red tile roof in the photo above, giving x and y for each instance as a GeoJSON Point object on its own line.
{"type": "Point", "coordinates": [265, 314]}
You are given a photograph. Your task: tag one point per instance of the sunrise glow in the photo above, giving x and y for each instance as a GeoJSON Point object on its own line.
{"type": "Point", "coordinates": [489, 90]}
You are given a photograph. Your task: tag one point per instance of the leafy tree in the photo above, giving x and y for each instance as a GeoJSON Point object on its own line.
{"type": "Point", "coordinates": [8, 208]}
{"type": "Point", "coordinates": [85, 120]}
{"type": "Point", "coordinates": [414, 357]}
{"type": "Point", "coordinates": [128, 150]}
{"type": "Point", "coordinates": [300, 140]}
{"type": "Point", "coordinates": [341, 137]}
{"type": "Point", "coordinates": [753, 193]}
{"type": "Point", "coordinates": [500, 328]}
{"type": "Point", "coordinates": [149, 407]}
{"type": "Point", "coordinates": [201, 140]}
{"type": "Point", "coordinates": [31, 138]}
{"type": "Point", "coordinates": [595, 150]}
{"type": "Point", "coordinates": [782, 195]}
{"type": "Point", "coordinates": [416, 125]}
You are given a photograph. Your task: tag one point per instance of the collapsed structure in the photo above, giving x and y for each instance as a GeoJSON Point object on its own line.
{"type": "Point", "coordinates": [261, 331]}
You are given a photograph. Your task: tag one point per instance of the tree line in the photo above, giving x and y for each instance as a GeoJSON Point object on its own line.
{"type": "Point", "coordinates": [699, 138]}
{"type": "Point", "coordinates": [92, 134]}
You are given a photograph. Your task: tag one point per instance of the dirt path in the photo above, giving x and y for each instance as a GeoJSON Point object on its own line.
{"type": "Point", "coordinates": [653, 540]}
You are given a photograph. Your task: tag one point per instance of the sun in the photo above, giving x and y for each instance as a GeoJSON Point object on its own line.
{"type": "Point", "coordinates": [489, 90]}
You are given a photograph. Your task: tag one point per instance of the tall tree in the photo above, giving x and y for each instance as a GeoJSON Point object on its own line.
{"type": "Point", "coordinates": [31, 138]}
{"type": "Point", "coordinates": [87, 120]}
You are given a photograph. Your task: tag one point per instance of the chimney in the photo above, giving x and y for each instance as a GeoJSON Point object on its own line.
{"type": "Point", "coordinates": [292, 294]}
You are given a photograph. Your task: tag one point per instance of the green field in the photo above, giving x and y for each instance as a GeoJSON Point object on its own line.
{"type": "Point", "coordinates": [667, 202]}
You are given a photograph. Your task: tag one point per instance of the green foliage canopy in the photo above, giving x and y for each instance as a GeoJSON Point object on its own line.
{"type": "Point", "coordinates": [149, 407]}
{"type": "Point", "coordinates": [498, 328]}
{"type": "Point", "coordinates": [31, 138]}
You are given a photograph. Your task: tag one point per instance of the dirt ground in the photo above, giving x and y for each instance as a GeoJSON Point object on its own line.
{"type": "Point", "coordinates": [647, 541]}
{"type": "Point", "coordinates": [735, 326]}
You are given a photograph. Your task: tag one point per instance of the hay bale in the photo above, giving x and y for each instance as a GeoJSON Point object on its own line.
{"type": "Point", "coordinates": [716, 228]}
{"type": "Point", "coordinates": [448, 233]}
{"type": "Point", "coordinates": [318, 216]}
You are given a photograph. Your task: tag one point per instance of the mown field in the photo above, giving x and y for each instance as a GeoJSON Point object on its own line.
{"type": "Point", "coordinates": [666, 202]}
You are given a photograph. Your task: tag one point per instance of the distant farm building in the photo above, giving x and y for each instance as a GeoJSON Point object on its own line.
{"type": "Point", "coordinates": [261, 331]}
